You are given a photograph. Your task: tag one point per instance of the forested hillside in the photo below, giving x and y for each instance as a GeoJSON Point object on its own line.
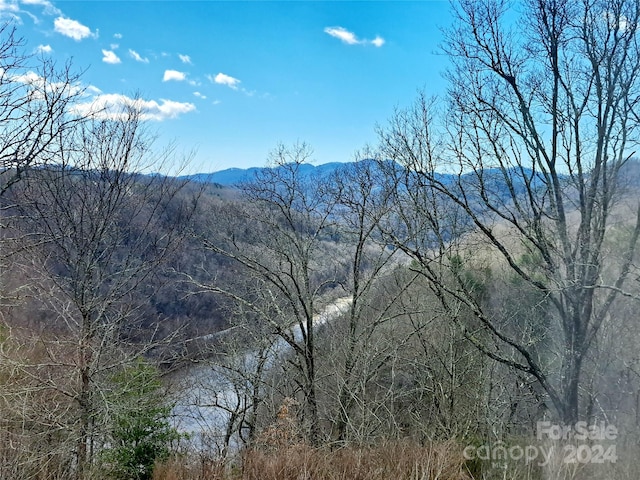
{"type": "Point", "coordinates": [459, 303]}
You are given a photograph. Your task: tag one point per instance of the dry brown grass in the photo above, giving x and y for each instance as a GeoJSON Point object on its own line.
{"type": "Point", "coordinates": [280, 453]}
{"type": "Point", "coordinates": [192, 468]}
{"type": "Point", "coordinates": [401, 460]}
{"type": "Point", "coordinates": [398, 460]}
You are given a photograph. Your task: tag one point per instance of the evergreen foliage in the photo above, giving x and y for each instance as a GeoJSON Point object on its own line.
{"type": "Point", "coordinates": [141, 432]}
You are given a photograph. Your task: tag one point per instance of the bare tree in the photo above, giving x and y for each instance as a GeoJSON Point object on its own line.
{"type": "Point", "coordinates": [35, 99]}
{"type": "Point", "coordinates": [93, 233]}
{"type": "Point", "coordinates": [541, 120]}
{"type": "Point", "coordinates": [282, 239]}
{"type": "Point", "coordinates": [360, 205]}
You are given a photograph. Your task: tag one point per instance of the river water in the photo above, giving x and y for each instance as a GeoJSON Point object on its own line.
{"type": "Point", "coordinates": [207, 393]}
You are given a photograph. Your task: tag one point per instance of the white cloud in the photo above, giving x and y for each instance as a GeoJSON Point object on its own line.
{"type": "Point", "coordinates": [110, 57]}
{"type": "Point", "coordinates": [9, 6]}
{"type": "Point", "coordinates": [117, 35]}
{"type": "Point", "coordinates": [200, 95]}
{"type": "Point", "coordinates": [167, 109]}
{"type": "Point", "coordinates": [342, 34]}
{"type": "Point", "coordinates": [38, 86]}
{"type": "Point", "coordinates": [223, 79]}
{"type": "Point", "coordinates": [231, 82]}
{"type": "Point", "coordinates": [136, 56]}
{"type": "Point", "coordinates": [10, 10]}
{"type": "Point", "coordinates": [618, 21]}
{"type": "Point", "coordinates": [92, 89]}
{"type": "Point", "coordinates": [71, 28]}
{"type": "Point", "coordinates": [350, 38]}
{"type": "Point", "coordinates": [378, 41]}
{"type": "Point", "coordinates": [29, 78]}
{"type": "Point", "coordinates": [185, 58]}
{"type": "Point", "coordinates": [44, 49]}
{"type": "Point", "coordinates": [114, 106]}
{"type": "Point", "coordinates": [114, 46]}
{"type": "Point", "coordinates": [173, 75]}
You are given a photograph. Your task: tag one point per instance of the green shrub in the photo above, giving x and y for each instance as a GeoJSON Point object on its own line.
{"type": "Point", "coordinates": [140, 432]}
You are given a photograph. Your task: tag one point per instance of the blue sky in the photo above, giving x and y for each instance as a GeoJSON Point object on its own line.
{"type": "Point", "coordinates": [229, 80]}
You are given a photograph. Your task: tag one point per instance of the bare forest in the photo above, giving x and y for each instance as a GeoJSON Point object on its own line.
{"type": "Point", "coordinates": [460, 301]}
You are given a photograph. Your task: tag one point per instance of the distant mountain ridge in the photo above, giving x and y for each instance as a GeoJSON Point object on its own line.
{"type": "Point", "coordinates": [494, 181]}
{"type": "Point", "coordinates": [231, 177]}
{"type": "Point", "coordinates": [235, 176]}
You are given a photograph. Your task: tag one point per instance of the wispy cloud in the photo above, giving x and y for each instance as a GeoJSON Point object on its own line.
{"type": "Point", "coordinates": [342, 34]}
{"type": "Point", "coordinates": [223, 79]}
{"type": "Point", "coordinates": [110, 57]}
{"type": "Point", "coordinates": [71, 28]}
{"type": "Point", "coordinates": [49, 9]}
{"type": "Point", "coordinates": [351, 38]}
{"type": "Point", "coordinates": [185, 59]}
{"type": "Point", "coordinates": [173, 75]}
{"type": "Point", "coordinates": [137, 57]}
{"type": "Point", "coordinates": [200, 95]}
{"type": "Point", "coordinates": [14, 10]}
{"type": "Point", "coordinates": [44, 49]}
{"type": "Point", "coordinates": [42, 3]}
{"type": "Point", "coordinates": [113, 106]}
{"type": "Point", "coordinates": [231, 82]}
{"type": "Point", "coordinates": [117, 35]}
